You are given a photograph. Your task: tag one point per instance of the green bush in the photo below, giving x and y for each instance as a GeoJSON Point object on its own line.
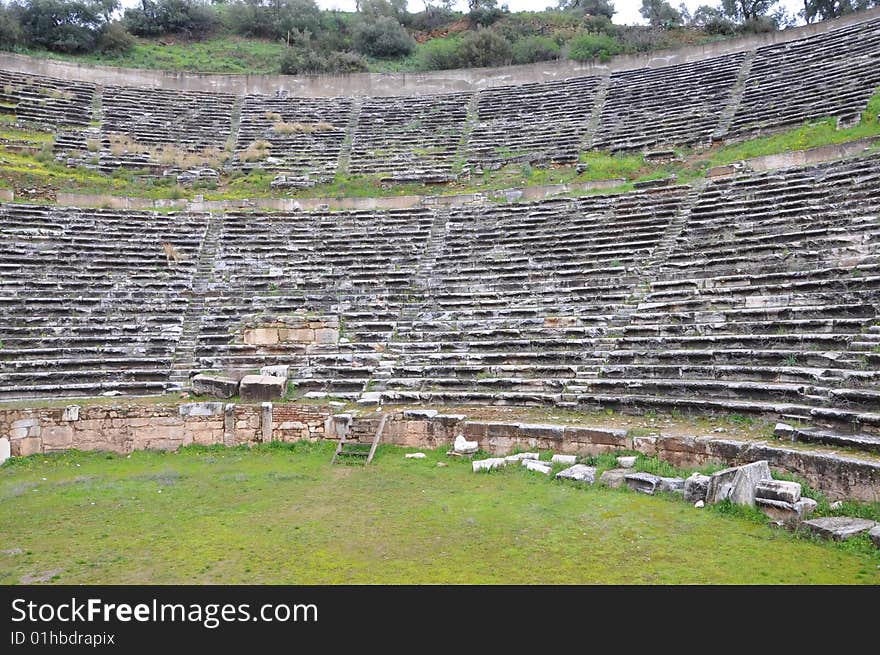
{"type": "Point", "coordinates": [273, 19]}
{"type": "Point", "coordinates": [484, 47]}
{"type": "Point", "coordinates": [306, 61]}
{"type": "Point", "coordinates": [534, 49]}
{"type": "Point", "coordinates": [114, 39]}
{"type": "Point", "coordinates": [382, 36]}
{"type": "Point", "coordinates": [62, 25]}
{"type": "Point", "coordinates": [439, 54]}
{"type": "Point", "coordinates": [588, 47]}
{"type": "Point", "coordinates": [154, 18]}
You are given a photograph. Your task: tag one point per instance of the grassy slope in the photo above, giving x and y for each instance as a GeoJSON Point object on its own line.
{"type": "Point", "coordinates": [284, 515]}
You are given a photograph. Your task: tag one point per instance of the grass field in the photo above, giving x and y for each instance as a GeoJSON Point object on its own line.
{"type": "Point", "coordinates": [283, 514]}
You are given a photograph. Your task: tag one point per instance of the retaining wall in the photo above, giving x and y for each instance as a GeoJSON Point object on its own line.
{"type": "Point", "coordinates": [392, 84]}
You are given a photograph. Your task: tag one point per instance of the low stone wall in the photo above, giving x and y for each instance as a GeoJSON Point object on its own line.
{"type": "Point", "coordinates": [127, 427]}
{"type": "Point", "coordinates": [198, 204]}
{"type": "Point", "coordinates": [839, 477]}
{"type": "Point", "coordinates": [393, 84]}
{"type": "Point", "coordinates": [124, 428]}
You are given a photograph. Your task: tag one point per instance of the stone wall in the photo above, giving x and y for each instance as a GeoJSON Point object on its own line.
{"type": "Point", "coordinates": [838, 476]}
{"type": "Point", "coordinates": [124, 428]}
{"type": "Point", "coordinates": [393, 84]}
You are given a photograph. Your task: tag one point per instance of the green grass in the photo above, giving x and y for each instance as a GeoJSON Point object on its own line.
{"type": "Point", "coordinates": [37, 169]}
{"type": "Point", "coordinates": [222, 54]}
{"type": "Point", "coordinates": [282, 514]}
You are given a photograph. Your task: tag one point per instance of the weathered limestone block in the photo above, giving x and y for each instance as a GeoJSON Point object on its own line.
{"type": "Point", "coordinates": [27, 446]}
{"type": "Point", "coordinates": [57, 437]}
{"type": "Point", "coordinates": [261, 336]}
{"type": "Point", "coordinates": [695, 487]}
{"type": "Point", "coordinates": [645, 483]}
{"type": "Point", "coordinates": [671, 485]}
{"type": "Point", "coordinates": [563, 459]}
{"type": "Point", "coordinates": [462, 446]}
{"type": "Point", "coordinates": [839, 528]}
{"type": "Point", "coordinates": [70, 413]}
{"type": "Point", "coordinates": [579, 472]}
{"type": "Point", "coordinates": [229, 424]}
{"type": "Point", "coordinates": [614, 478]}
{"type": "Point", "coordinates": [746, 481]}
{"type": "Point", "coordinates": [218, 386]}
{"type": "Point", "coordinates": [487, 464]}
{"type": "Point", "coordinates": [720, 485]}
{"type": "Point", "coordinates": [785, 513]}
{"type": "Point", "coordinates": [874, 534]}
{"type": "Point", "coordinates": [261, 387]}
{"type": "Point", "coordinates": [518, 457]}
{"type": "Point", "coordinates": [626, 462]}
{"type": "Point", "coordinates": [537, 465]}
{"type": "Point", "coordinates": [266, 421]}
{"type": "Point", "coordinates": [5, 450]}
{"type": "Point", "coordinates": [191, 409]}
{"type": "Point", "coordinates": [787, 492]}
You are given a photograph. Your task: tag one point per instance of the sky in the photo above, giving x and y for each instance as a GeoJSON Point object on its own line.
{"type": "Point", "coordinates": [627, 11]}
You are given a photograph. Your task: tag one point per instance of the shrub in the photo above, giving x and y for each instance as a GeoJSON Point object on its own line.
{"type": "Point", "coordinates": [588, 47]}
{"type": "Point", "coordinates": [302, 60]}
{"type": "Point", "coordinates": [534, 49]}
{"type": "Point", "coordinates": [343, 63]}
{"type": "Point", "coordinates": [382, 36]}
{"type": "Point", "coordinates": [439, 54]}
{"type": "Point", "coordinates": [155, 17]}
{"type": "Point", "coordinates": [484, 47]}
{"type": "Point", "coordinates": [115, 39]}
{"type": "Point", "coordinates": [273, 19]}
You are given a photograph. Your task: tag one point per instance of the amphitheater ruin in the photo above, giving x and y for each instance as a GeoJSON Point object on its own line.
{"type": "Point", "coordinates": [754, 292]}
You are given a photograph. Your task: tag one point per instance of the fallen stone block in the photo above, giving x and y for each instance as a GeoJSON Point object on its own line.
{"type": "Point", "coordinates": [261, 387]}
{"type": "Point", "coordinates": [671, 485]}
{"type": "Point", "coordinates": [579, 472]}
{"type": "Point", "coordinates": [720, 485]}
{"type": "Point", "coordinates": [695, 488]}
{"type": "Point", "coordinates": [5, 449]}
{"type": "Point", "coordinates": [218, 386]}
{"type": "Point", "coordinates": [874, 534]}
{"type": "Point", "coordinates": [746, 481]}
{"type": "Point", "coordinates": [626, 461]}
{"type": "Point", "coordinates": [518, 457]}
{"type": "Point", "coordinates": [645, 483]}
{"type": "Point", "coordinates": [785, 513]}
{"type": "Point", "coordinates": [563, 459]}
{"type": "Point", "coordinates": [839, 528]}
{"type": "Point", "coordinates": [788, 492]}
{"type": "Point", "coordinates": [415, 456]}
{"type": "Point", "coordinates": [488, 464]}
{"type": "Point", "coordinates": [462, 446]}
{"type": "Point", "coordinates": [537, 465]}
{"type": "Point", "coordinates": [613, 478]}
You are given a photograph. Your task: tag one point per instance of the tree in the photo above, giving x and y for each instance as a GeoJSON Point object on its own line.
{"type": "Point", "coordinates": [155, 17]}
{"type": "Point", "coordinates": [62, 25]}
{"type": "Point", "coordinates": [589, 7]}
{"type": "Point", "coordinates": [382, 36]}
{"type": "Point", "coordinates": [825, 9]}
{"type": "Point", "coordinates": [660, 13]}
{"type": "Point", "coordinates": [742, 11]}
{"type": "Point", "coordinates": [273, 19]}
